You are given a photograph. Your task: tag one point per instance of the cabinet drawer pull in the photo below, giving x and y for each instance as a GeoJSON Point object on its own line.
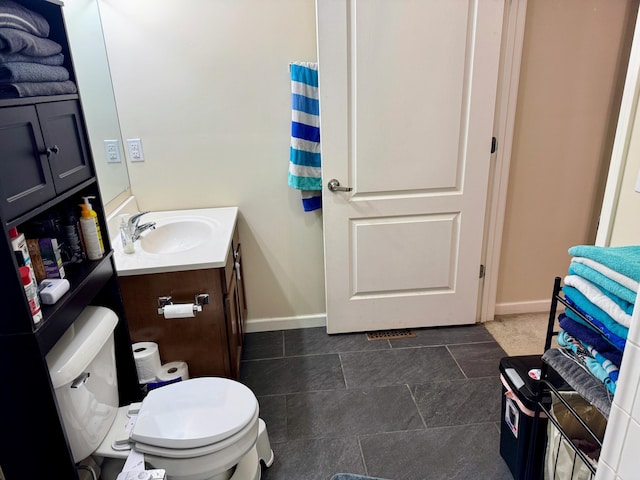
{"type": "Point", "coordinates": [53, 149]}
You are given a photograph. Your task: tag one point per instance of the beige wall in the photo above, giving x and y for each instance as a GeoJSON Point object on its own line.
{"type": "Point", "coordinates": [573, 68]}
{"type": "Point", "coordinates": [205, 85]}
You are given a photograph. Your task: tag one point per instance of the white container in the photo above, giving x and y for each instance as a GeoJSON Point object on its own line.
{"type": "Point", "coordinates": [82, 367]}
{"type": "Point", "coordinates": [31, 291]}
{"type": "Point", "coordinates": [19, 244]}
{"type": "Point", "coordinates": [126, 236]}
{"type": "Point", "coordinates": [91, 236]}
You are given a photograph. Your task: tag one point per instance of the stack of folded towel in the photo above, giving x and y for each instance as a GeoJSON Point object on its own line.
{"type": "Point", "coordinates": [30, 63]}
{"type": "Point", "coordinates": [602, 285]}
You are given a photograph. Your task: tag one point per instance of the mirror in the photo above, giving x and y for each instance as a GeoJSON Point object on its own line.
{"type": "Point", "coordinates": [84, 28]}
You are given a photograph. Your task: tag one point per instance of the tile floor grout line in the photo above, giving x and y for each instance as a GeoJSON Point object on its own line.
{"type": "Point", "coordinates": [344, 377]}
{"type": "Point", "coordinates": [364, 463]}
{"type": "Point", "coordinates": [456, 360]}
{"type": "Point", "coordinates": [417, 407]}
{"type": "Point", "coordinates": [284, 352]}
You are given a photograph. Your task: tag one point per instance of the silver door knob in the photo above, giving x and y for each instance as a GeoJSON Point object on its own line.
{"type": "Point", "coordinates": [334, 186]}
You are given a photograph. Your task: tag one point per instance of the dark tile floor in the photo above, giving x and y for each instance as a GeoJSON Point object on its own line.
{"type": "Point", "coordinates": [415, 408]}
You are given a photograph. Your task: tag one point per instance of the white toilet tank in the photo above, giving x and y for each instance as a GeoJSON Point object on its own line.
{"type": "Point", "coordinates": [83, 372]}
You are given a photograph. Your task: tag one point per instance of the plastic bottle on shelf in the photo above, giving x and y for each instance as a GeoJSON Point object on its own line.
{"type": "Point", "coordinates": [72, 237]}
{"type": "Point", "coordinates": [19, 244]}
{"type": "Point", "coordinates": [91, 231]}
{"type": "Point", "coordinates": [31, 291]}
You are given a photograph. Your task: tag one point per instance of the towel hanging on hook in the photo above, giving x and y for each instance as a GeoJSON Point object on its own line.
{"type": "Point", "coordinates": [305, 172]}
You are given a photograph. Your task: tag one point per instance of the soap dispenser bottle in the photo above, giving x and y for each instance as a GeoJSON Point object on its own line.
{"type": "Point", "coordinates": [126, 236]}
{"type": "Point", "coordinates": [91, 230]}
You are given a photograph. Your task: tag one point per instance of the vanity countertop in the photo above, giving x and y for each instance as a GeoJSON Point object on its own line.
{"type": "Point", "coordinates": [194, 239]}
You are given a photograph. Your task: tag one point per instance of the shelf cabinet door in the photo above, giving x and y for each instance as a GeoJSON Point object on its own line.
{"type": "Point", "coordinates": [63, 132]}
{"type": "Point", "coordinates": [43, 152]}
{"type": "Point", "coordinates": [26, 179]}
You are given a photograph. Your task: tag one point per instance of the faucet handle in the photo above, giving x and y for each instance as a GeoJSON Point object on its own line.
{"type": "Point", "coordinates": [135, 218]}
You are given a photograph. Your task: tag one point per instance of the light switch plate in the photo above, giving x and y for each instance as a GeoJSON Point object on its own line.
{"type": "Point", "coordinates": [112, 149]}
{"type": "Point", "coordinates": [135, 150]}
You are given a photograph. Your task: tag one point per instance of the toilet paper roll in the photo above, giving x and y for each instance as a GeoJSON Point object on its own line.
{"type": "Point", "coordinates": [172, 371]}
{"type": "Point", "coordinates": [147, 358]}
{"type": "Point", "coordinates": [179, 310]}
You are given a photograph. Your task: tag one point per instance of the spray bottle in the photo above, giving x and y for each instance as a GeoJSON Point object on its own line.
{"type": "Point", "coordinates": [91, 230]}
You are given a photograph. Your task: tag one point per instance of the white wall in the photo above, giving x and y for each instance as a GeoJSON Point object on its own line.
{"type": "Point", "coordinates": [205, 85]}
{"type": "Point", "coordinates": [625, 229]}
{"type": "Point", "coordinates": [619, 457]}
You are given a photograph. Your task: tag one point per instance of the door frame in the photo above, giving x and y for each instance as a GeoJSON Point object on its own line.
{"type": "Point", "coordinates": [624, 131]}
{"type": "Point", "coordinates": [504, 125]}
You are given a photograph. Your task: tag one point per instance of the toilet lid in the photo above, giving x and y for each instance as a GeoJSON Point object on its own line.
{"type": "Point", "coordinates": [194, 413]}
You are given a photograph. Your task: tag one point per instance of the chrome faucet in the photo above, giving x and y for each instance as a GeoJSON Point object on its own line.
{"type": "Point", "coordinates": [135, 229]}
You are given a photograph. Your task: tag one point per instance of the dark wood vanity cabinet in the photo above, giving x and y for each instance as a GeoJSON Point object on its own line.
{"type": "Point", "coordinates": [45, 169]}
{"type": "Point", "coordinates": [44, 152]}
{"type": "Point", "coordinates": [211, 341]}
{"type": "Point", "coordinates": [235, 306]}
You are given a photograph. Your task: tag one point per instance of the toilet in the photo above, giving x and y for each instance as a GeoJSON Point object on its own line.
{"type": "Point", "coordinates": [204, 428]}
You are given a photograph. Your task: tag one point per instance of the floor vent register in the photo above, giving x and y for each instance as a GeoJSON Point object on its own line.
{"type": "Point", "coordinates": [390, 334]}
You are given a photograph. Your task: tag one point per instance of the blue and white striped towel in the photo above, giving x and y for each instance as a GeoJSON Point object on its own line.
{"type": "Point", "coordinates": [304, 152]}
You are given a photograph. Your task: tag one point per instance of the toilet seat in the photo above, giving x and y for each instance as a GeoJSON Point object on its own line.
{"type": "Point", "coordinates": [245, 436]}
{"type": "Point", "coordinates": [195, 413]}
{"type": "Point", "coordinates": [191, 413]}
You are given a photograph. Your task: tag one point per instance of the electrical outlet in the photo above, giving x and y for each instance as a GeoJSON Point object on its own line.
{"type": "Point", "coordinates": [135, 150]}
{"type": "Point", "coordinates": [112, 150]}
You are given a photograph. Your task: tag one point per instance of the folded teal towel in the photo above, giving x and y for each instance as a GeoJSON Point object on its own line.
{"type": "Point", "coordinates": [600, 329]}
{"type": "Point", "coordinates": [605, 283]}
{"type": "Point", "coordinates": [594, 313]}
{"type": "Point", "coordinates": [625, 260]}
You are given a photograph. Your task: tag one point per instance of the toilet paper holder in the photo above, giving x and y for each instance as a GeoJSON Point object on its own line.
{"type": "Point", "coordinates": [200, 300]}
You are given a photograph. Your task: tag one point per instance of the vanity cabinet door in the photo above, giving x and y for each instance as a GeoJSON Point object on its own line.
{"type": "Point", "coordinates": [234, 327]}
{"type": "Point", "coordinates": [242, 299]}
{"type": "Point", "coordinates": [202, 340]}
{"type": "Point", "coordinates": [65, 137]}
{"type": "Point", "coordinates": [26, 179]}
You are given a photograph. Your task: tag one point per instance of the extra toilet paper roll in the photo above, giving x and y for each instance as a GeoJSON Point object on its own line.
{"type": "Point", "coordinates": [147, 358]}
{"type": "Point", "coordinates": [179, 310]}
{"type": "Point", "coordinates": [172, 371]}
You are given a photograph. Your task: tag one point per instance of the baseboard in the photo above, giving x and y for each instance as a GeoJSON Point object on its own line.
{"type": "Point", "coordinates": [285, 323]}
{"type": "Point", "coordinates": [511, 308]}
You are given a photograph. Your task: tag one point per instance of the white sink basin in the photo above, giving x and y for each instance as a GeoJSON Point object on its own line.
{"type": "Point", "coordinates": [182, 240]}
{"type": "Point", "coordinates": [178, 236]}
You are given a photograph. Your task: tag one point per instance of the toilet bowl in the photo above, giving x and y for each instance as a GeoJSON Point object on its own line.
{"type": "Point", "coordinates": [205, 428]}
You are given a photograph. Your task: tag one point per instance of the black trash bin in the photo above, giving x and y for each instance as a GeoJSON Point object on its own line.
{"type": "Point", "coordinates": [518, 448]}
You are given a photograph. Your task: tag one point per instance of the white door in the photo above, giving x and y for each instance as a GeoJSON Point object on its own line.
{"type": "Point", "coordinates": [407, 98]}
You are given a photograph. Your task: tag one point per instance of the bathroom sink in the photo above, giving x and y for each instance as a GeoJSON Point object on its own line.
{"type": "Point", "coordinates": [178, 236]}
{"type": "Point", "coordinates": [183, 240]}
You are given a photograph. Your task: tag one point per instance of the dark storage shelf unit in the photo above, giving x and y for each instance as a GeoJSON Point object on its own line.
{"type": "Point", "coordinates": [549, 384]}
{"type": "Point", "coordinates": [46, 167]}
